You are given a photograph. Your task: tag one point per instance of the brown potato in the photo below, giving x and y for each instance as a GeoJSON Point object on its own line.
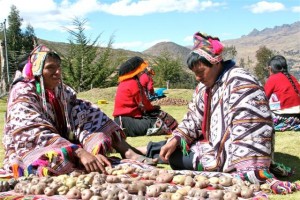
{"type": "Point", "coordinates": [164, 178]}
{"type": "Point", "coordinates": [225, 181]}
{"type": "Point", "coordinates": [49, 191]}
{"type": "Point", "coordinates": [86, 194]}
{"type": "Point", "coordinates": [230, 196]}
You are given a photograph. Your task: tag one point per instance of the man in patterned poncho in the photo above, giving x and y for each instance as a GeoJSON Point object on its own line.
{"type": "Point", "coordinates": [228, 126]}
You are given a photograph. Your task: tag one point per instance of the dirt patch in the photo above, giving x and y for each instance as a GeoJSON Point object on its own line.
{"type": "Point", "coordinates": [166, 101]}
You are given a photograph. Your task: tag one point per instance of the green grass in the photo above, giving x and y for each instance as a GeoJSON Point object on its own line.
{"type": "Point", "coordinates": [287, 149]}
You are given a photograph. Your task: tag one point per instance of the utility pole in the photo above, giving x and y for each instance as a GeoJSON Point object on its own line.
{"type": "Point", "coordinates": [6, 57]}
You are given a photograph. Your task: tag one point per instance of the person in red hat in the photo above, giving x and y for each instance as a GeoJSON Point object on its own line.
{"type": "Point", "coordinates": [146, 80]}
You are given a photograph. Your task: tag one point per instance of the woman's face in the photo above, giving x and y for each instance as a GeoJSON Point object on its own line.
{"type": "Point", "coordinates": [205, 74]}
{"type": "Point", "coordinates": [51, 73]}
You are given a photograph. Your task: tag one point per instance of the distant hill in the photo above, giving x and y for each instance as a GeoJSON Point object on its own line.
{"type": "Point", "coordinates": [175, 50]}
{"type": "Point", "coordinates": [283, 39]}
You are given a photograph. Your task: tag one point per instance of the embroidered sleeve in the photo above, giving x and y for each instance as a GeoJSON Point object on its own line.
{"type": "Point", "coordinates": [190, 127]}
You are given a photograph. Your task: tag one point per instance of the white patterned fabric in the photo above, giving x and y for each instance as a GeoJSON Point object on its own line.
{"type": "Point", "coordinates": [35, 141]}
{"type": "Point", "coordinates": [240, 129]}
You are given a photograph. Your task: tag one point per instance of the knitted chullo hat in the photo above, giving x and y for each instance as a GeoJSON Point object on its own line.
{"type": "Point", "coordinates": [209, 47]}
{"type": "Point", "coordinates": [35, 64]}
{"type": "Point", "coordinates": [131, 68]}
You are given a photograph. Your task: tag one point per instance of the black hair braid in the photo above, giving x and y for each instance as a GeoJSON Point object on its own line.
{"type": "Point", "coordinates": [291, 81]}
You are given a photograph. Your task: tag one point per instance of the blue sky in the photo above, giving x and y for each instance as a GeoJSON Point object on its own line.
{"type": "Point", "coordinates": [138, 25]}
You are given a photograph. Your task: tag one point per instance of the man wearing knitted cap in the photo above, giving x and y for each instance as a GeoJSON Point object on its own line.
{"type": "Point", "coordinates": [228, 126]}
{"type": "Point", "coordinates": [133, 111]}
{"type": "Point", "coordinates": [49, 131]}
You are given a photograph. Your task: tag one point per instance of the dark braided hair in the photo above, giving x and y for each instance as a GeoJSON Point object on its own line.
{"type": "Point", "coordinates": [278, 64]}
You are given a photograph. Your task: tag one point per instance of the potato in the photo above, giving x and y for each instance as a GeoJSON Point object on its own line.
{"type": "Point", "coordinates": [246, 192]}
{"type": "Point", "coordinates": [184, 190]}
{"type": "Point", "coordinates": [153, 190]}
{"type": "Point", "coordinates": [230, 196]}
{"type": "Point", "coordinates": [214, 180]}
{"type": "Point", "coordinates": [86, 194]}
{"type": "Point", "coordinates": [164, 178]}
{"type": "Point", "coordinates": [38, 189]}
{"type": "Point", "coordinates": [179, 179]}
{"type": "Point", "coordinates": [153, 174]}
{"type": "Point", "coordinates": [225, 181]}
{"type": "Point", "coordinates": [255, 187]}
{"type": "Point", "coordinates": [177, 196]}
{"type": "Point", "coordinates": [97, 189]}
{"type": "Point", "coordinates": [48, 191]}
{"type": "Point", "coordinates": [200, 178]}
{"type": "Point", "coordinates": [202, 183]}
{"type": "Point", "coordinates": [136, 187]}
{"type": "Point", "coordinates": [165, 196]}
{"type": "Point", "coordinates": [70, 181]}
{"type": "Point", "coordinates": [62, 190]}
{"type": "Point", "coordinates": [113, 179]}
{"type": "Point", "coordinates": [124, 196]}
{"type": "Point", "coordinates": [189, 181]}
{"type": "Point", "coordinates": [95, 197]}
{"type": "Point", "coordinates": [215, 194]}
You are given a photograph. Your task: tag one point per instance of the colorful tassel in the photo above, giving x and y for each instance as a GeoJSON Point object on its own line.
{"type": "Point", "coordinates": [65, 154]}
{"type": "Point", "coordinates": [38, 87]}
{"type": "Point", "coordinates": [40, 162]}
{"type": "Point", "coordinates": [17, 171]}
{"type": "Point", "coordinates": [95, 150]}
{"type": "Point", "coordinates": [199, 167]}
{"type": "Point", "coordinates": [45, 171]}
{"type": "Point", "coordinates": [185, 148]}
{"type": "Point", "coordinates": [50, 155]}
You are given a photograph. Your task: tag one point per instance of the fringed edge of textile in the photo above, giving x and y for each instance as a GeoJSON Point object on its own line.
{"type": "Point", "coordinates": [43, 167]}
{"type": "Point", "coordinates": [256, 176]}
{"type": "Point", "coordinates": [282, 187]}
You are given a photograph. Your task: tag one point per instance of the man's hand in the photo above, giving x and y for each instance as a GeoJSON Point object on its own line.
{"type": "Point", "coordinates": [92, 163]}
{"type": "Point", "coordinates": [168, 149]}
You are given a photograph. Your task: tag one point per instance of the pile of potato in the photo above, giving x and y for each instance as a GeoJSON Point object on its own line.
{"type": "Point", "coordinates": [128, 182]}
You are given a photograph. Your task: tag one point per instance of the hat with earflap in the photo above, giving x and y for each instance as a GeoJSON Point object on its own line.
{"type": "Point", "coordinates": [209, 47]}
{"type": "Point", "coordinates": [35, 63]}
{"type": "Point", "coordinates": [33, 70]}
{"type": "Point", "coordinates": [131, 68]}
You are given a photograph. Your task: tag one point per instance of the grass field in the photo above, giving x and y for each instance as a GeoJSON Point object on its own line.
{"type": "Point", "coordinates": [287, 149]}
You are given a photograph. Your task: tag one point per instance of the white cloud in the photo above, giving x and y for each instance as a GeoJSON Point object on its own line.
{"type": "Point", "coordinates": [131, 8]}
{"type": "Point", "coordinates": [265, 6]}
{"type": "Point", "coordinates": [296, 9]}
{"type": "Point", "coordinates": [47, 14]}
{"type": "Point", "coordinates": [53, 14]}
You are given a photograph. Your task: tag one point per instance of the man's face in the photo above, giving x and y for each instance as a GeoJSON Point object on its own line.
{"type": "Point", "coordinates": [51, 73]}
{"type": "Point", "coordinates": [205, 74]}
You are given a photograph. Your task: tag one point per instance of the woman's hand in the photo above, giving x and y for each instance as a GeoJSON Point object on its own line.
{"type": "Point", "coordinates": [168, 149]}
{"type": "Point", "coordinates": [92, 163]}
